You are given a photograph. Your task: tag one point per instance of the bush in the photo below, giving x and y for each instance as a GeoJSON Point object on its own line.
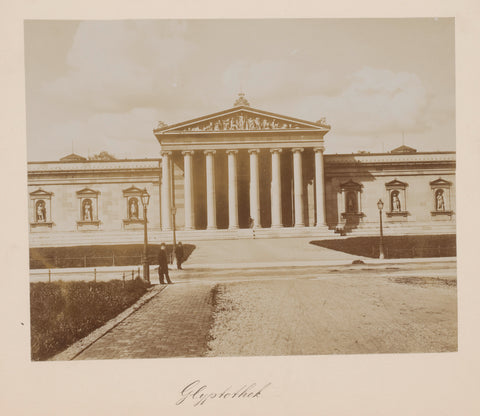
{"type": "Point", "coordinates": [64, 312]}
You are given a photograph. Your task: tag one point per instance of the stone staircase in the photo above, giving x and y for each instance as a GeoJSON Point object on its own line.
{"type": "Point", "coordinates": [79, 238]}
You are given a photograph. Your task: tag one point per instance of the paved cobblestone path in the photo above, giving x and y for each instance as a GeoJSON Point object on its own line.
{"type": "Point", "coordinates": [175, 323]}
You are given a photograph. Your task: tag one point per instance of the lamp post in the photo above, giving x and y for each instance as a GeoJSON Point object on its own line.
{"type": "Point", "coordinates": [380, 208]}
{"type": "Point", "coordinates": [146, 266]}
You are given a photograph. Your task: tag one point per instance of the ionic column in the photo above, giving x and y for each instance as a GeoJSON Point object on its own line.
{"type": "Point", "coordinates": [254, 188]}
{"type": "Point", "coordinates": [211, 203]}
{"type": "Point", "coordinates": [166, 192]}
{"type": "Point", "coordinates": [232, 190]}
{"type": "Point", "coordinates": [276, 191]}
{"type": "Point", "coordinates": [298, 186]}
{"type": "Point", "coordinates": [188, 189]}
{"type": "Point", "coordinates": [319, 186]}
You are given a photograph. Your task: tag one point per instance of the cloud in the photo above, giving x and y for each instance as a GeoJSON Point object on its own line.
{"type": "Point", "coordinates": [128, 134]}
{"type": "Point", "coordinates": [374, 101]}
{"type": "Point", "coordinates": [124, 76]}
{"type": "Point", "coordinates": [114, 66]}
{"type": "Point", "coordinates": [276, 79]}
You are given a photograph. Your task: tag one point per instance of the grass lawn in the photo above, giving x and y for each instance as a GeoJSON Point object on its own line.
{"type": "Point", "coordinates": [64, 312]}
{"type": "Point", "coordinates": [96, 256]}
{"type": "Point", "coordinates": [395, 247]}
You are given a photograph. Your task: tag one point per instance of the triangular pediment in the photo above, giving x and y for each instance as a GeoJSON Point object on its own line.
{"type": "Point", "coordinates": [242, 119]}
{"type": "Point", "coordinates": [41, 193]}
{"type": "Point", "coordinates": [350, 185]}
{"type": "Point", "coordinates": [440, 182]}
{"type": "Point", "coordinates": [87, 192]}
{"type": "Point", "coordinates": [396, 184]}
{"type": "Point", "coordinates": [133, 190]}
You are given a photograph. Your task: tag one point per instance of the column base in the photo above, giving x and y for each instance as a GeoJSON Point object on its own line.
{"type": "Point", "coordinates": [276, 226]}
{"type": "Point", "coordinates": [167, 229]}
{"type": "Point", "coordinates": [233, 228]}
{"type": "Point", "coordinates": [211, 228]}
{"type": "Point", "coordinates": [299, 226]}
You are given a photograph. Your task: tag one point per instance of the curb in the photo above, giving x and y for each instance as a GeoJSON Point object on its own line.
{"type": "Point", "coordinates": [79, 346]}
{"type": "Point", "coordinates": [319, 263]}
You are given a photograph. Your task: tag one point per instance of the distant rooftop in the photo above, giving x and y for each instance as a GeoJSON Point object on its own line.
{"type": "Point", "coordinates": [73, 158]}
{"type": "Point", "coordinates": [404, 149]}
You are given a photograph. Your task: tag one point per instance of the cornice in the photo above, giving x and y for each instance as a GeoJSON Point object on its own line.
{"type": "Point", "coordinates": [390, 158]}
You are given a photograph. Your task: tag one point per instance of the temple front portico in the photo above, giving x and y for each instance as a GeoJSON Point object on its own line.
{"type": "Point", "coordinates": [258, 169]}
{"type": "Point", "coordinates": [241, 173]}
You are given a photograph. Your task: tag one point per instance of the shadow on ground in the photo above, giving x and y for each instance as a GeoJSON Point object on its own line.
{"type": "Point", "coordinates": [395, 247]}
{"type": "Point", "coordinates": [97, 256]}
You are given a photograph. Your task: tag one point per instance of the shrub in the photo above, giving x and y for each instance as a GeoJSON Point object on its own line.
{"type": "Point", "coordinates": [63, 312]}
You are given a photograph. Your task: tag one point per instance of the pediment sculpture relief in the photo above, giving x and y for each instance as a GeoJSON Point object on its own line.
{"type": "Point", "coordinates": [243, 122]}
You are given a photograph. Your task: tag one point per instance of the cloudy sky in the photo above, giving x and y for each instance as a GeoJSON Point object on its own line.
{"type": "Point", "coordinates": [104, 85]}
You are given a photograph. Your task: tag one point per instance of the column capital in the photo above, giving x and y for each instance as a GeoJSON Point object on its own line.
{"type": "Point", "coordinates": [209, 152]}
{"type": "Point", "coordinates": [253, 151]}
{"type": "Point", "coordinates": [276, 150]}
{"type": "Point", "coordinates": [188, 152]}
{"type": "Point", "coordinates": [317, 149]}
{"type": "Point", "coordinates": [297, 149]}
{"type": "Point", "coordinates": [166, 152]}
{"type": "Point", "coordinates": [231, 151]}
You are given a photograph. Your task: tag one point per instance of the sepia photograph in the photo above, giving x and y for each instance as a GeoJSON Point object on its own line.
{"type": "Point", "coordinates": [241, 187]}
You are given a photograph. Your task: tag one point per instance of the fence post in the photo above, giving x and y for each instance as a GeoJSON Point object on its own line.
{"type": "Point", "coordinates": [132, 273]}
{"type": "Point", "coordinates": [113, 259]}
{"type": "Point", "coordinates": [95, 275]}
{"type": "Point", "coordinates": [138, 272]}
{"type": "Point", "coordinates": [49, 276]}
{"type": "Point", "coordinates": [123, 279]}
{"type": "Point", "coordinates": [55, 261]}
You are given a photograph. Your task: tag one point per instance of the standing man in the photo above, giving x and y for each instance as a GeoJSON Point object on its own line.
{"type": "Point", "coordinates": [163, 265]}
{"type": "Point", "coordinates": [179, 254]}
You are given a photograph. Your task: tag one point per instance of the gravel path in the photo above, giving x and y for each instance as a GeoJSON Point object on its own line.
{"type": "Point", "coordinates": [334, 315]}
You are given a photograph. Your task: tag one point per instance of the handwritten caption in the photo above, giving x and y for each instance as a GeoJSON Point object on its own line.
{"type": "Point", "coordinates": [198, 394]}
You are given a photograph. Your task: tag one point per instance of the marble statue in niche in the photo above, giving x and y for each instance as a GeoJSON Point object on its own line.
{"type": "Point", "coordinates": [87, 210]}
{"type": "Point", "coordinates": [396, 207]}
{"type": "Point", "coordinates": [351, 202]}
{"type": "Point", "coordinates": [40, 214]}
{"type": "Point", "coordinates": [133, 209]}
{"type": "Point", "coordinates": [440, 201]}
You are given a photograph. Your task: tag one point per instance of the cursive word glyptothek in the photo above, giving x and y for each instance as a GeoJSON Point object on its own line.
{"type": "Point", "coordinates": [198, 393]}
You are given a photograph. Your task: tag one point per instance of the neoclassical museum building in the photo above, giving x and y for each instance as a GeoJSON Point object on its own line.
{"type": "Point", "coordinates": [238, 173]}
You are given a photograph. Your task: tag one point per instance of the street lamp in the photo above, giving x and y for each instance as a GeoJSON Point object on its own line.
{"type": "Point", "coordinates": [380, 208]}
{"type": "Point", "coordinates": [146, 266]}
